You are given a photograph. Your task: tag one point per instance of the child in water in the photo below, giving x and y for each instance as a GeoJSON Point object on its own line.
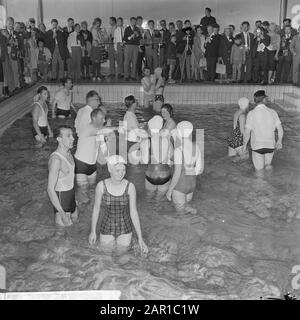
{"type": "Point", "coordinates": [148, 87]}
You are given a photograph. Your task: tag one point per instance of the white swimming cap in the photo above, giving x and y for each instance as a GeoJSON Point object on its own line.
{"type": "Point", "coordinates": [155, 124]}
{"type": "Point", "coordinates": [243, 103]}
{"type": "Point", "coordinates": [114, 160]}
{"type": "Point", "coordinates": [184, 129]}
{"type": "Point", "coordinates": [158, 70]}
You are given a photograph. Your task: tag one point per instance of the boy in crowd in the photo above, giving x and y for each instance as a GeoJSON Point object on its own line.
{"type": "Point", "coordinates": [237, 58]}
{"type": "Point", "coordinates": [148, 87]}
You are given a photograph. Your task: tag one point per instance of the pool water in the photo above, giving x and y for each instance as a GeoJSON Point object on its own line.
{"type": "Point", "coordinates": [242, 244]}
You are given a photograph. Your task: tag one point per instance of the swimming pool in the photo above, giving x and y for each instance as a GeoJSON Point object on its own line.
{"type": "Point", "coordinates": [243, 243]}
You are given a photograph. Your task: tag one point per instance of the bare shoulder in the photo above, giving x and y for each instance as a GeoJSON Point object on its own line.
{"type": "Point", "coordinates": [131, 187]}
{"type": "Point", "coordinates": [54, 161]}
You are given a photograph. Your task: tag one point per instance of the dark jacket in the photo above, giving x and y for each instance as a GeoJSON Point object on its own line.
{"type": "Point", "coordinates": [180, 43]}
{"type": "Point", "coordinates": [152, 41]}
{"type": "Point", "coordinates": [225, 48]}
{"type": "Point", "coordinates": [128, 32]}
{"type": "Point", "coordinates": [88, 34]}
{"type": "Point", "coordinates": [166, 36]}
{"type": "Point", "coordinates": [62, 43]}
{"type": "Point", "coordinates": [212, 48]}
{"type": "Point", "coordinates": [266, 41]}
{"type": "Point", "coordinates": [171, 51]}
{"type": "Point", "coordinates": [252, 41]}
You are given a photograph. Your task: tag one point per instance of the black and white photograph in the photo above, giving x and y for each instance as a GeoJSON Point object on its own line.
{"type": "Point", "coordinates": [149, 150]}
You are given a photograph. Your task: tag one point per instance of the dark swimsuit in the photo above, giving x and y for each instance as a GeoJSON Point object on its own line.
{"type": "Point", "coordinates": [160, 97]}
{"type": "Point", "coordinates": [67, 200]}
{"type": "Point", "coordinates": [84, 168]}
{"type": "Point", "coordinates": [264, 150]}
{"type": "Point", "coordinates": [236, 138]}
{"type": "Point", "coordinates": [61, 112]}
{"type": "Point", "coordinates": [116, 219]}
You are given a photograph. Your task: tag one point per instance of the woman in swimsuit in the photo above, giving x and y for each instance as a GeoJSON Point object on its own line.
{"type": "Point", "coordinates": [159, 90]}
{"type": "Point", "coordinates": [168, 114]}
{"type": "Point", "coordinates": [120, 215]}
{"type": "Point", "coordinates": [158, 173]}
{"type": "Point", "coordinates": [41, 129]}
{"type": "Point", "coordinates": [187, 165]}
{"type": "Point", "coordinates": [235, 141]}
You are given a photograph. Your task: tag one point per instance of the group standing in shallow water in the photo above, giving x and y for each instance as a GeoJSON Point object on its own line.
{"type": "Point", "coordinates": [173, 160]}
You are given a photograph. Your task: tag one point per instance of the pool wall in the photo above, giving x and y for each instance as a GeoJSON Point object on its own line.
{"type": "Point", "coordinates": [286, 96]}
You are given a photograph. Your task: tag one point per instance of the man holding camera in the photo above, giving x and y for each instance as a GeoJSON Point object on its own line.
{"type": "Point", "coordinates": [132, 37]}
{"type": "Point", "coordinates": [262, 41]}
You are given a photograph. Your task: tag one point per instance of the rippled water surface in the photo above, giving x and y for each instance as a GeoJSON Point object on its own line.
{"type": "Point", "coordinates": [243, 242]}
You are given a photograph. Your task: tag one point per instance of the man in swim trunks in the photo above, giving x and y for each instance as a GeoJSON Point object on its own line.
{"type": "Point", "coordinates": [90, 139]}
{"type": "Point", "coordinates": [158, 173]}
{"type": "Point", "coordinates": [61, 179]}
{"type": "Point", "coordinates": [261, 124]}
{"type": "Point", "coordinates": [63, 100]}
{"type": "Point", "coordinates": [41, 129]}
{"type": "Point", "coordinates": [83, 117]}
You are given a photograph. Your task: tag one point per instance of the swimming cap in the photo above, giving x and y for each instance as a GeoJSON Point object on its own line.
{"type": "Point", "coordinates": [114, 160]}
{"type": "Point", "coordinates": [243, 103]}
{"type": "Point", "coordinates": [184, 129]}
{"type": "Point", "coordinates": [155, 123]}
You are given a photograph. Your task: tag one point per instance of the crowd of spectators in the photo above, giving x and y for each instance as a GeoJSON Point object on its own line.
{"type": "Point", "coordinates": [184, 51]}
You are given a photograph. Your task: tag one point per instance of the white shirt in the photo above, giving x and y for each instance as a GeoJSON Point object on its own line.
{"type": "Point", "coordinates": [63, 100]}
{"type": "Point", "coordinates": [262, 122]}
{"type": "Point", "coordinates": [246, 34]}
{"type": "Point", "coordinates": [87, 147]}
{"type": "Point", "coordinates": [83, 118]}
{"type": "Point", "coordinates": [72, 41]}
{"type": "Point", "coordinates": [118, 36]}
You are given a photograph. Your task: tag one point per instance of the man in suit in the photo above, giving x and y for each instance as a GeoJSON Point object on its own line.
{"type": "Point", "coordinates": [68, 30]}
{"type": "Point", "coordinates": [132, 37]}
{"type": "Point", "coordinates": [152, 38]}
{"type": "Point", "coordinates": [57, 44]}
{"type": "Point", "coordinates": [287, 22]}
{"type": "Point", "coordinates": [260, 56]}
{"type": "Point", "coordinates": [226, 42]}
{"type": "Point", "coordinates": [165, 37]}
{"type": "Point", "coordinates": [248, 42]}
{"type": "Point", "coordinates": [212, 45]}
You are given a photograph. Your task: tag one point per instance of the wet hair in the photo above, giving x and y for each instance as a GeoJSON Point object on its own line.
{"type": "Point", "coordinates": [91, 94]}
{"type": "Point", "coordinates": [54, 20]}
{"type": "Point", "coordinates": [95, 113]}
{"type": "Point", "coordinates": [113, 19]}
{"type": "Point", "coordinates": [246, 22]}
{"type": "Point", "coordinates": [65, 80]}
{"type": "Point", "coordinates": [169, 108]}
{"type": "Point", "coordinates": [58, 130]}
{"type": "Point", "coordinates": [129, 101]}
{"type": "Point", "coordinates": [41, 89]}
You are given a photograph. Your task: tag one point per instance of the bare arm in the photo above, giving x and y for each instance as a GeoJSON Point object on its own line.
{"type": "Point", "coordinates": [133, 211]}
{"type": "Point", "coordinates": [35, 117]}
{"type": "Point", "coordinates": [96, 212]}
{"type": "Point", "coordinates": [280, 133]}
{"type": "Point", "coordinates": [242, 120]}
{"type": "Point", "coordinates": [199, 164]}
{"type": "Point", "coordinates": [54, 104]}
{"type": "Point", "coordinates": [54, 167]}
{"type": "Point", "coordinates": [246, 136]}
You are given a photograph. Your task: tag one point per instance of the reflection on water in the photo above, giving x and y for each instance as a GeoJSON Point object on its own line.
{"type": "Point", "coordinates": [242, 244]}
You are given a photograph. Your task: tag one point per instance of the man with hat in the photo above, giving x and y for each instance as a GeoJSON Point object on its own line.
{"type": "Point", "coordinates": [261, 124]}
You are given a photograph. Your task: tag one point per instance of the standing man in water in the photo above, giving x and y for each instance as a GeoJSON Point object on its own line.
{"type": "Point", "coordinates": [83, 117]}
{"type": "Point", "coordinates": [61, 179]}
{"type": "Point", "coordinates": [86, 153]}
{"type": "Point", "coordinates": [261, 124]}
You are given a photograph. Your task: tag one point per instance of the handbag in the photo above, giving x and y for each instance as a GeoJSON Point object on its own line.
{"type": "Point", "coordinates": [220, 68]}
{"type": "Point", "coordinates": [202, 63]}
